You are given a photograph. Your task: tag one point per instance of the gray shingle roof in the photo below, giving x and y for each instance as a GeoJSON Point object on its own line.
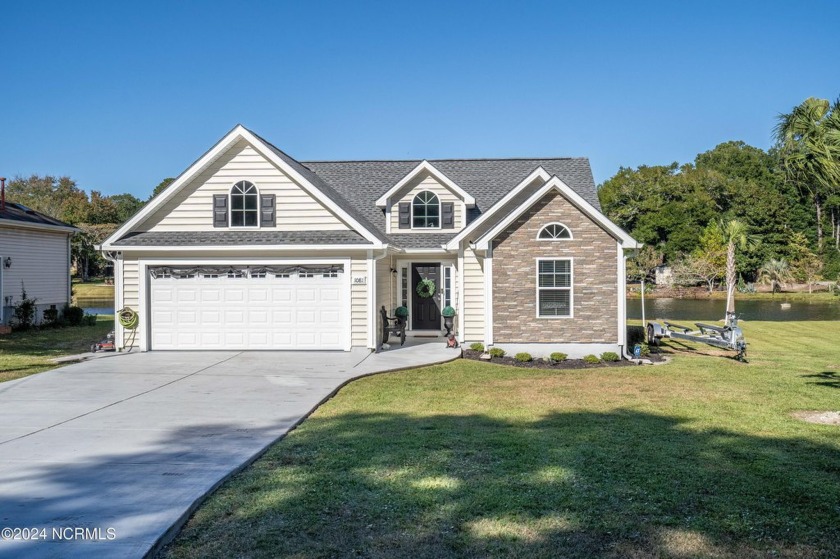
{"type": "Point", "coordinates": [419, 240]}
{"type": "Point", "coordinates": [198, 238]}
{"type": "Point", "coordinates": [329, 192]}
{"type": "Point", "coordinates": [362, 182]}
{"type": "Point", "coordinates": [21, 214]}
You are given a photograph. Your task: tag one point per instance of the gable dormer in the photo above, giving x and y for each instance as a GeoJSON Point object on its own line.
{"type": "Point", "coordinates": [425, 201]}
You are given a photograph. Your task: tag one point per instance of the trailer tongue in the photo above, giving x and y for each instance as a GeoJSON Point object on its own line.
{"type": "Point", "coordinates": [730, 336]}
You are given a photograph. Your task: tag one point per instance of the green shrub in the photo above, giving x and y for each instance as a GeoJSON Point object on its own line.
{"type": "Point", "coordinates": [497, 352]}
{"type": "Point", "coordinates": [645, 350]}
{"type": "Point", "coordinates": [89, 320]}
{"type": "Point", "coordinates": [477, 346]}
{"type": "Point", "coordinates": [557, 356]}
{"type": "Point", "coordinates": [635, 335]}
{"type": "Point", "coordinates": [74, 315]}
{"type": "Point", "coordinates": [591, 359]}
{"type": "Point", "coordinates": [24, 312]}
{"type": "Point", "coordinates": [610, 357]}
{"type": "Point", "coordinates": [523, 357]}
{"type": "Point", "coordinates": [51, 317]}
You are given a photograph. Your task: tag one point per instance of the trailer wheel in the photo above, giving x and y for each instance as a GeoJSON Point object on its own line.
{"type": "Point", "coordinates": [651, 338]}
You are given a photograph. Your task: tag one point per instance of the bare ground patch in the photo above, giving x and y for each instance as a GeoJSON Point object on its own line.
{"type": "Point", "coordinates": [821, 417]}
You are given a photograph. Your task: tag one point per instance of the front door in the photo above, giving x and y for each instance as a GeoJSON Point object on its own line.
{"type": "Point", "coordinates": [425, 311]}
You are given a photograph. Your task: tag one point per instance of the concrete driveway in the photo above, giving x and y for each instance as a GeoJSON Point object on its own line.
{"type": "Point", "coordinates": [108, 457]}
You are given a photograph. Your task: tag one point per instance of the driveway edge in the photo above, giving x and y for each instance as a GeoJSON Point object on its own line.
{"type": "Point", "coordinates": [169, 535]}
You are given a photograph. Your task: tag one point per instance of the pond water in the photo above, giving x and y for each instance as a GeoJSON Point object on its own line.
{"type": "Point", "coordinates": [711, 309]}
{"type": "Point", "coordinates": [98, 310]}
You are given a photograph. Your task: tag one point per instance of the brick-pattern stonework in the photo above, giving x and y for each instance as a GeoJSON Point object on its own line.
{"type": "Point", "coordinates": [595, 278]}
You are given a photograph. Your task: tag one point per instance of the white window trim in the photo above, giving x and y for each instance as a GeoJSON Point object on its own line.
{"type": "Point", "coordinates": [571, 287]}
{"type": "Point", "coordinates": [551, 240]}
{"type": "Point", "coordinates": [259, 212]}
{"type": "Point", "coordinates": [440, 217]}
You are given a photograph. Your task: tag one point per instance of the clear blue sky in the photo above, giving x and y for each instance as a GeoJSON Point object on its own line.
{"type": "Point", "coordinates": [119, 95]}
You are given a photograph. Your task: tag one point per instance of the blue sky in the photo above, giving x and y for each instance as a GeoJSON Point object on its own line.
{"type": "Point", "coordinates": [121, 95]}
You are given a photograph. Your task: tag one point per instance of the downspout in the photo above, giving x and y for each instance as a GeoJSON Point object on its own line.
{"type": "Point", "coordinates": [119, 332]}
{"type": "Point", "coordinates": [375, 314]}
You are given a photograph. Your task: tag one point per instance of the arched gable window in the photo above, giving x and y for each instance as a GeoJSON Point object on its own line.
{"type": "Point", "coordinates": [554, 232]}
{"type": "Point", "coordinates": [425, 210]}
{"type": "Point", "coordinates": [244, 205]}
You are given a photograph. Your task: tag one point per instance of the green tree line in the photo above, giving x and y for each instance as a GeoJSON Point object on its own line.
{"type": "Point", "coordinates": [787, 199]}
{"type": "Point", "coordinates": [96, 215]}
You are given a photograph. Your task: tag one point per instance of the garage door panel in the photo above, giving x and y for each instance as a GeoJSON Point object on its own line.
{"type": "Point", "coordinates": [249, 313]}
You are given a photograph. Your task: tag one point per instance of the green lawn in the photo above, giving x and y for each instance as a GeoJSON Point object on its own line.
{"type": "Point", "coordinates": [25, 353]}
{"type": "Point", "coordinates": [93, 290]}
{"type": "Point", "coordinates": [698, 458]}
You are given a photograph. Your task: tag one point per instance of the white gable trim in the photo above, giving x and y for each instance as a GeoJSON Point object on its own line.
{"type": "Point", "coordinates": [232, 137]}
{"type": "Point", "coordinates": [627, 242]}
{"type": "Point", "coordinates": [538, 173]}
{"type": "Point", "coordinates": [425, 166]}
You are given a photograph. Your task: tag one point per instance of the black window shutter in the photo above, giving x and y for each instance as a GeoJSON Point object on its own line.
{"type": "Point", "coordinates": [447, 215]}
{"type": "Point", "coordinates": [267, 211]}
{"type": "Point", "coordinates": [405, 215]}
{"type": "Point", "coordinates": [220, 210]}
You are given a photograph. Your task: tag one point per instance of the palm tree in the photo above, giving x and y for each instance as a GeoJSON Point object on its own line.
{"type": "Point", "coordinates": [809, 147]}
{"type": "Point", "coordinates": [736, 235]}
{"type": "Point", "coordinates": [775, 272]}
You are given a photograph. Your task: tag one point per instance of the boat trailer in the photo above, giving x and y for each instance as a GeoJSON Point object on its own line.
{"type": "Point", "coordinates": [730, 336]}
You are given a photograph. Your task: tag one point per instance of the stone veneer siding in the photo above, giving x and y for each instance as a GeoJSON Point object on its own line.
{"type": "Point", "coordinates": [594, 279]}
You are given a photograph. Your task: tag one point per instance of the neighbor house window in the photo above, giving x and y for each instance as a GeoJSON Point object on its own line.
{"type": "Point", "coordinates": [554, 288]}
{"type": "Point", "coordinates": [555, 232]}
{"type": "Point", "coordinates": [425, 210]}
{"type": "Point", "coordinates": [244, 205]}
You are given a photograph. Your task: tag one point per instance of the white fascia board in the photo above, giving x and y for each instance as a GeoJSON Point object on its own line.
{"type": "Point", "coordinates": [538, 173]}
{"type": "Point", "coordinates": [195, 169]}
{"type": "Point", "coordinates": [425, 166]}
{"type": "Point", "coordinates": [235, 248]}
{"type": "Point", "coordinates": [238, 133]}
{"type": "Point", "coordinates": [14, 224]}
{"type": "Point", "coordinates": [576, 199]}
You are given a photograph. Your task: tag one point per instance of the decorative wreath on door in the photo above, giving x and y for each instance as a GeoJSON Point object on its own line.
{"type": "Point", "coordinates": [425, 288]}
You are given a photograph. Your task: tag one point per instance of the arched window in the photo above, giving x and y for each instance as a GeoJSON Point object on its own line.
{"type": "Point", "coordinates": [244, 205]}
{"type": "Point", "coordinates": [425, 210]}
{"type": "Point", "coordinates": [554, 232]}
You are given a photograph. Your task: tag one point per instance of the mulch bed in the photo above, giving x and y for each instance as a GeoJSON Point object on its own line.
{"type": "Point", "coordinates": [567, 364]}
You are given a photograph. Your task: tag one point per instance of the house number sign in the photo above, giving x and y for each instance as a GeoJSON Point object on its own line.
{"type": "Point", "coordinates": [360, 280]}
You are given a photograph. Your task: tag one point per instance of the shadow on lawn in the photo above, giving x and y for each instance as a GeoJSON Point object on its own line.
{"type": "Point", "coordinates": [622, 484]}
{"type": "Point", "coordinates": [830, 379]}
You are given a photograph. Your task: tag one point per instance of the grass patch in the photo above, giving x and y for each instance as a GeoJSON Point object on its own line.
{"type": "Point", "coordinates": [26, 353]}
{"type": "Point", "coordinates": [93, 290]}
{"type": "Point", "coordinates": [698, 458]}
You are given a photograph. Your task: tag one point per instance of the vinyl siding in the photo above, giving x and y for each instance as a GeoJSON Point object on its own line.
{"type": "Point", "coordinates": [192, 208]}
{"type": "Point", "coordinates": [40, 261]}
{"type": "Point", "coordinates": [473, 302]}
{"type": "Point", "coordinates": [385, 286]}
{"type": "Point", "coordinates": [130, 297]}
{"type": "Point", "coordinates": [358, 303]}
{"type": "Point", "coordinates": [427, 182]}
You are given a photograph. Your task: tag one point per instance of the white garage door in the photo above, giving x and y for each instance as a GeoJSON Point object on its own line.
{"type": "Point", "coordinates": [280, 307]}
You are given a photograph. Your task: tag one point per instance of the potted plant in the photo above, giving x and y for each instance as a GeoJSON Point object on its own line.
{"type": "Point", "coordinates": [448, 314]}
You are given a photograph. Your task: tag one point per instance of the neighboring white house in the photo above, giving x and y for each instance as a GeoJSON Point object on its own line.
{"type": "Point", "coordinates": [35, 255]}
{"type": "Point", "coordinates": [251, 249]}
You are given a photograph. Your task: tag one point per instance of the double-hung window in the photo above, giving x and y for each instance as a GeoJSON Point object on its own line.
{"type": "Point", "coordinates": [554, 287]}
